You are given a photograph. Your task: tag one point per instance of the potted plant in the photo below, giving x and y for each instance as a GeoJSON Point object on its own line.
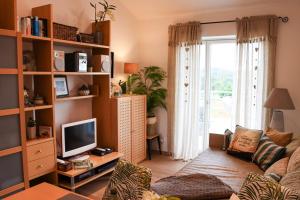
{"type": "Point", "coordinates": [100, 16]}
{"type": "Point", "coordinates": [148, 81]}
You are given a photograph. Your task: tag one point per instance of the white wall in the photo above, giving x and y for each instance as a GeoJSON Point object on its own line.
{"type": "Point", "coordinates": [79, 13]}
{"type": "Point", "coordinates": [153, 40]}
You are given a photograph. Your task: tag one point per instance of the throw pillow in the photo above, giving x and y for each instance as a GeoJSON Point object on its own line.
{"type": "Point", "coordinates": [291, 147]}
{"type": "Point", "coordinates": [259, 187]}
{"type": "Point", "coordinates": [227, 139]}
{"type": "Point", "coordinates": [279, 138]}
{"type": "Point", "coordinates": [274, 176]}
{"type": "Point", "coordinates": [234, 197]}
{"type": "Point", "coordinates": [128, 181]}
{"type": "Point", "coordinates": [279, 167]}
{"type": "Point", "coordinates": [150, 195]}
{"type": "Point", "coordinates": [294, 163]}
{"type": "Point", "coordinates": [292, 181]}
{"type": "Point", "coordinates": [245, 140]}
{"type": "Point", "coordinates": [267, 153]}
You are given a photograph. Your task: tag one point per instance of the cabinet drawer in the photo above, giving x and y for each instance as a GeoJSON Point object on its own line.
{"type": "Point", "coordinates": [41, 150]}
{"type": "Point", "coordinates": [41, 166]}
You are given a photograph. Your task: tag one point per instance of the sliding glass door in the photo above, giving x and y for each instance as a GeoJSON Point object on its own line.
{"type": "Point", "coordinates": [218, 57]}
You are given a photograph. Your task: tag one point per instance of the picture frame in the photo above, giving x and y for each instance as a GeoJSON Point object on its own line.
{"type": "Point", "coordinates": [45, 131]}
{"type": "Point", "coordinates": [61, 86]}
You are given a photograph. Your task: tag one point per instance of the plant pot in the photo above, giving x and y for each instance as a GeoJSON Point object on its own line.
{"type": "Point", "coordinates": [98, 37]}
{"type": "Point", "coordinates": [151, 126]}
{"type": "Point", "coordinates": [31, 133]}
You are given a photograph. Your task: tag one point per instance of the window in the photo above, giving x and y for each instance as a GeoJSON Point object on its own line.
{"type": "Point", "coordinates": [218, 57]}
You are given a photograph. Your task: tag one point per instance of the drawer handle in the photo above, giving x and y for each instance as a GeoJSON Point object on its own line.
{"type": "Point", "coordinates": [40, 166]}
{"type": "Point", "coordinates": [39, 151]}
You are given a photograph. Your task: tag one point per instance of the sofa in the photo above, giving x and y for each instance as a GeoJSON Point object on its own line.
{"type": "Point", "coordinates": [231, 170]}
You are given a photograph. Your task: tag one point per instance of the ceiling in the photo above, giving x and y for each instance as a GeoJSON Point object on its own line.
{"type": "Point", "coordinates": [149, 9]}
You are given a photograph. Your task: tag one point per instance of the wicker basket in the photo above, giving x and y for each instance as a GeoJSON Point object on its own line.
{"type": "Point", "coordinates": [87, 38]}
{"type": "Point", "coordinates": [64, 32]}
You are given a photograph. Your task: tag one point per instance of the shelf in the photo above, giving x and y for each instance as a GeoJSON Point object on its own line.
{"type": "Point", "coordinates": [36, 73]}
{"type": "Point", "coordinates": [10, 151]}
{"type": "Point", "coordinates": [96, 160]}
{"type": "Point", "coordinates": [32, 38]}
{"type": "Point", "coordinates": [9, 33]}
{"type": "Point", "coordinates": [38, 141]}
{"type": "Point", "coordinates": [38, 107]}
{"type": "Point", "coordinates": [6, 112]}
{"type": "Point", "coordinates": [8, 71]}
{"type": "Point", "coordinates": [81, 73]}
{"type": "Point", "coordinates": [87, 180]}
{"type": "Point", "coordinates": [75, 98]}
{"type": "Point", "coordinates": [79, 44]}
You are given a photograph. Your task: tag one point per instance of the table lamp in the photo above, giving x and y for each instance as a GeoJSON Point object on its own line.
{"type": "Point", "coordinates": [130, 68]}
{"type": "Point", "coordinates": [279, 99]}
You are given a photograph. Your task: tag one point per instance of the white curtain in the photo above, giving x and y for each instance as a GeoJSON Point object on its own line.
{"type": "Point", "coordinates": [251, 84]}
{"type": "Point", "coordinates": [190, 137]}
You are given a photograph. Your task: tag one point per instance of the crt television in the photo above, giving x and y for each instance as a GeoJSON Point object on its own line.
{"type": "Point", "coordinates": [78, 137]}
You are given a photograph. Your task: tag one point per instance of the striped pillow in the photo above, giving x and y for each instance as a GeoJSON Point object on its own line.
{"type": "Point", "coordinates": [267, 153]}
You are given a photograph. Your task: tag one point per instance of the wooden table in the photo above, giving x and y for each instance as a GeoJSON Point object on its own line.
{"type": "Point", "coordinates": [45, 191]}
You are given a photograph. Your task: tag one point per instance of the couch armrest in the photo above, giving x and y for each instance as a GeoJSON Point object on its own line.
{"type": "Point", "coordinates": [216, 140]}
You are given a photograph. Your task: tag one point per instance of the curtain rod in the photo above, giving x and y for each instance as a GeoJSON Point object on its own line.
{"type": "Point", "coordinates": [283, 19]}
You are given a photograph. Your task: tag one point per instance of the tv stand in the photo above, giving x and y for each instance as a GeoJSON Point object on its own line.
{"type": "Point", "coordinates": [76, 178]}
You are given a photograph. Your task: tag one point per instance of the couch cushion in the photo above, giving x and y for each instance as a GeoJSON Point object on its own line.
{"type": "Point", "coordinates": [291, 147]}
{"type": "Point", "coordinates": [128, 181]}
{"type": "Point", "coordinates": [260, 187]}
{"type": "Point", "coordinates": [279, 138]}
{"type": "Point", "coordinates": [279, 167]}
{"type": "Point", "coordinates": [267, 153]}
{"type": "Point", "coordinates": [229, 169]}
{"type": "Point", "coordinates": [294, 163]}
{"type": "Point", "coordinates": [245, 140]}
{"type": "Point", "coordinates": [292, 181]}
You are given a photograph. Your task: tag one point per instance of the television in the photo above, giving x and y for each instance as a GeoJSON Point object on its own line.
{"type": "Point", "coordinates": [78, 137]}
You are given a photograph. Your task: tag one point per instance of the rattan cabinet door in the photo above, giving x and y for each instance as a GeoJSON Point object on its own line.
{"type": "Point", "coordinates": [138, 116]}
{"type": "Point", "coordinates": [124, 127]}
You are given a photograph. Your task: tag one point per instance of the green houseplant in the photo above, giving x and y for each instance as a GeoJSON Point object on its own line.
{"type": "Point", "coordinates": [148, 81]}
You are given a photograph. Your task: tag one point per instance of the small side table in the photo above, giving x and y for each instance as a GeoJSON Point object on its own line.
{"type": "Point", "coordinates": [149, 144]}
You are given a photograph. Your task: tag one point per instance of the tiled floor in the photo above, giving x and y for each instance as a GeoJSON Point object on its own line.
{"type": "Point", "coordinates": [161, 166]}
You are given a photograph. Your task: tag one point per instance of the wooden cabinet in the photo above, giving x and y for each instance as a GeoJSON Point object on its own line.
{"type": "Point", "coordinates": [128, 127]}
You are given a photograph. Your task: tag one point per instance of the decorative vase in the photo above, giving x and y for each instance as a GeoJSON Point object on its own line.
{"type": "Point", "coordinates": [151, 126]}
{"type": "Point", "coordinates": [31, 132]}
{"type": "Point", "coordinates": [98, 37]}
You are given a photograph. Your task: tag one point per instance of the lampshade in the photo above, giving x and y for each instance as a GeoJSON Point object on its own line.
{"type": "Point", "coordinates": [130, 68]}
{"type": "Point", "coordinates": [280, 98]}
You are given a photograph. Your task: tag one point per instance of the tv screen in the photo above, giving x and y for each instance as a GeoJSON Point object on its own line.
{"type": "Point", "coordinates": [78, 137]}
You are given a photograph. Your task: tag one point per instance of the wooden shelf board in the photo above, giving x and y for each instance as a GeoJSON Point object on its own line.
{"type": "Point", "coordinates": [8, 71]}
{"type": "Point", "coordinates": [85, 181]}
{"type": "Point", "coordinates": [38, 107]}
{"type": "Point", "coordinates": [96, 160]}
{"type": "Point", "coordinates": [32, 38]}
{"type": "Point", "coordinates": [79, 44]}
{"type": "Point", "coordinates": [6, 32]}
{"type": "Point", "coordinates": [81, 73]}
{"type": "Point", "coordinates": [36, 73]}
{"type": "Point", "coordinates": [10, 151]}
{"type": "Point", "coordinates": [6, 112]}
{"type": "Point", "coordinates": [12, 189]}
{"type": "Point", "coordinates": [38, 141]}
{"type": "Point", "coordinates": [75, 98]}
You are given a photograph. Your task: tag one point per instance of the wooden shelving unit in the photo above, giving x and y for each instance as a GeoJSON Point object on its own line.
{"type": "Point", "coordinates": [59, 110]}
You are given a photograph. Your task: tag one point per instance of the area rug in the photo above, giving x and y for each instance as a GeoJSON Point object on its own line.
{"type": "Point", "coordinates": [193, 187]}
